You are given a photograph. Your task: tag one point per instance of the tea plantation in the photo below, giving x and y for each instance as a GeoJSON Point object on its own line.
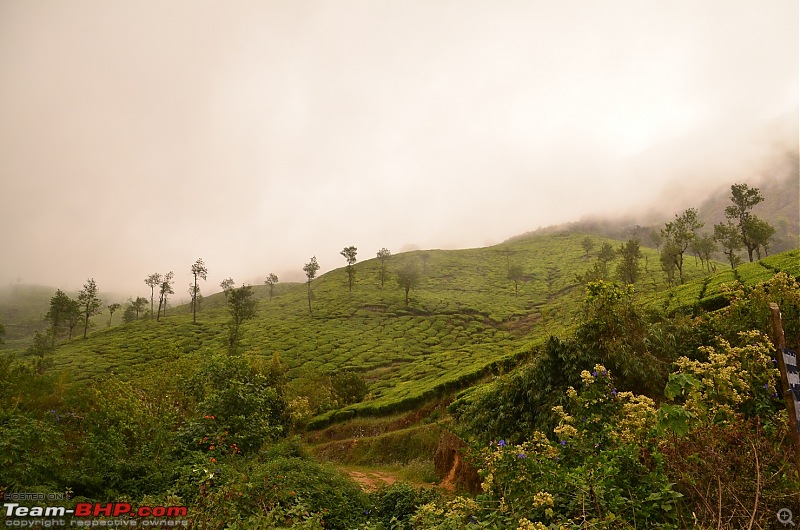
{"type": "Point", "coordinates": [463, 321]}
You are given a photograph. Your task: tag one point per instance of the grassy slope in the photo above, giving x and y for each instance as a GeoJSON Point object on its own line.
{"type": "Point", "coordinates": [464, 319]}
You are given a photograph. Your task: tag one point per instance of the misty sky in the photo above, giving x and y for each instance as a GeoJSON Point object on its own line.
{"type": "Point", "coordinates": [137, 136]}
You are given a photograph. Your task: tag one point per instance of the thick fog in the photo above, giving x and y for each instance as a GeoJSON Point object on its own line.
{"type": "Point", "coordinates": [138, 136]}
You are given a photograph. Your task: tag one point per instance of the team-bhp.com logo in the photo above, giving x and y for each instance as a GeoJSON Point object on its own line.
{"type": "Point", "coordinates": [85, 514]}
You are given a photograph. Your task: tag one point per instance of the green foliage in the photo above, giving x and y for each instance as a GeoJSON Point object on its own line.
{"type": "Point", "coordinates": [282, 492]}
{"type": "Point", "coordinates": [517, 404]}
{"type": "Point", "coordinates": [600, 467]}
{"type": "Point", "coordinates": [348, 386]}
{"type": "Point", "coordinates": [242, 307]}
{"type": "Point", "coordinates": [32, 451]}
{"type": "Point", "coordinates": [393, 507]}
{"type": "Point", "coordinates": [239, 407]}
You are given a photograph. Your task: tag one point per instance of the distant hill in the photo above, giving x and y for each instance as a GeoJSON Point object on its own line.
{"type": "Point", "coordinates": [781, 207]}
{"type": "Point", "coordinates": [779, 185]}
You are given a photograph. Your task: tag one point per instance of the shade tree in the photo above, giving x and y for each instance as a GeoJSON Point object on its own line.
{"type": "Point", "coordinates": [761, 234]}
{"type": "Point", "coordinates": [752, 229]}
{"type": "Point", "coordinates": [272, 280]}
{"type": "Point", "coordinates": [153, 281]}
{"type": "Point", "coordinates": [58, 313]}
{"type": "Point", "coordinates": [133, 309]}
{"type": "Point", "coordinates": [729, 237]}
{"type": "Point", "coordinates": [408, 278]}
{"type": "Point", "coordinates": [112, 308]}
{"type": "Point", "coordinates": [242, 307]}
{"type": "Point", "coordinates": [383, 258]}
{"type": "Point", "coordinates": [226, 285]}
{"type": "Point", "coordinates": [628, 268]}
{"type": "Point", "coordinates": [703, 247]}
{"type": "Point", "coordinates": [516, 275]}
{"type": "Point", "coordinates": [310, 269]}
{"type": "Point", "coordinates": [199, 270]}
{"type": "Point", "coordinates": [89, 303]}
{"type": "Point", "coordinates": [587, 244]}
{"type": "Point", "coordinates": [165, 289]}
{"type": "Point", "coordinates": [349, 254]}
{"type": "Point", "coordinates": [678, 235]}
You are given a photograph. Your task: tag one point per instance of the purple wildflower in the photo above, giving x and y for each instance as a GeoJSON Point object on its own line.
{"type": "Point", "coordinates": [501, 443]}
{"type": "Point", "coordinates": [563, 442]}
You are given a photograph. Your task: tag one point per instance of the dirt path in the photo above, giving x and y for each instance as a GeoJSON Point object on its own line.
{"type": "Point", "coordinates": [372, 480]}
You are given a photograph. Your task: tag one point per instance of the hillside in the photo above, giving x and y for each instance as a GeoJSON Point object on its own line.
{"type": "Point", "coordinates": [156, 412]}
{"type": "Point", "coordinates": [463, 320]}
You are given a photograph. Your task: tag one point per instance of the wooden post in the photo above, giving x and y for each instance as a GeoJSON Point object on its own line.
{"type": "Point", "coordinates": [786, 389]}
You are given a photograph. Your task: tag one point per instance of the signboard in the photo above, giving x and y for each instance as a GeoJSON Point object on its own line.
{"type": "Point", "coordinates": [793, 378]}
